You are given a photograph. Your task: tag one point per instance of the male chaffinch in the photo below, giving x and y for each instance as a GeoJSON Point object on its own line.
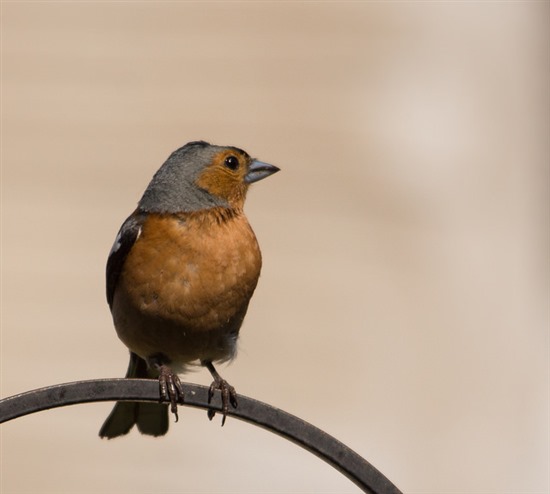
{"type": "Point", "coordinates": [180, 276]}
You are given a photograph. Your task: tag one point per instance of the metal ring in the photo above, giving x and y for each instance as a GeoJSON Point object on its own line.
{"type": "Point", "coordinates": [309, 437]}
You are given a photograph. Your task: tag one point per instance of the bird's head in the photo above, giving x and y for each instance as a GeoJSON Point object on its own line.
{"type": "Point", "coordinates": [201, 176]}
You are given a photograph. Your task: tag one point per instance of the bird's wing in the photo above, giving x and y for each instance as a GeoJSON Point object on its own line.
{"type": "Point", "coordinates": [128, 234]}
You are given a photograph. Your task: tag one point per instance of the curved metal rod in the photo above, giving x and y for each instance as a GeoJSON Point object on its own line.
{"type": "Point", "coordinates": [316, 441]}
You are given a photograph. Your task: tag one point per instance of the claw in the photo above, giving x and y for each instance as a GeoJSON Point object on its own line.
{"type": "Point", "coordinates": [170, 388]}
{"type": "Point", "coordinates": [228, 393]}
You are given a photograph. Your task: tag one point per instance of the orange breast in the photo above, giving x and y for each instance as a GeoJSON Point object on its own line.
{"type": "Point", "coordinates": [186, 276]}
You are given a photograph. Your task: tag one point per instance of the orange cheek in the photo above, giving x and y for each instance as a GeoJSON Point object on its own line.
{"type": "Point", "coordinates": [224, 184]}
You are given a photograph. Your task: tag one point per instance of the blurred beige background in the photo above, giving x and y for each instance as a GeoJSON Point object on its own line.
{"type": "Point", "coordinates": [403, 303]}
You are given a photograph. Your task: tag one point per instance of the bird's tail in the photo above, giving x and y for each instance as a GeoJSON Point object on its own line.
{"type": "Point", "coordinates": [150, 418]}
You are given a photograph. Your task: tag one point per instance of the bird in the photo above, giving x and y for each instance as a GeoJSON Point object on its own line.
{"type": "Point", "coordinates": [180, 276]}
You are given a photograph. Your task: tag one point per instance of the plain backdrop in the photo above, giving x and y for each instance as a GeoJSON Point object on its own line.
{"type": "Point", "coordinates": [403, 302]}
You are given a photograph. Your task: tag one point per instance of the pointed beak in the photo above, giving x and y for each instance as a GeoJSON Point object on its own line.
{"type": "Point", "coordinates": [259, 170]}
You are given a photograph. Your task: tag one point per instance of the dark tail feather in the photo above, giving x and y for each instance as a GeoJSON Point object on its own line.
{"type": "Point", "coordinates": [121, 420]}
{"type": "Point", "coordinates": [150, 418]}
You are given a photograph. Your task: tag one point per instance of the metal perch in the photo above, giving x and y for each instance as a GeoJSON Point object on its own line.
{"type": "Point", "coordinates": [316, 441]}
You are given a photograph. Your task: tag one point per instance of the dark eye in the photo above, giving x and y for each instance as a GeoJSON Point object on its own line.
{"type": "Point", "coordinates": [231, 162]}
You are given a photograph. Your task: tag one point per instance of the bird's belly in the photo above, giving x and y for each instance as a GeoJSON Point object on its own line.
{"type": "Point", "coordinates": [184, 289]}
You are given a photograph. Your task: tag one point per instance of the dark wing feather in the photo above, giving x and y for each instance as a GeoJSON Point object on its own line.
{"type": "Point", "coordinates": [126, 237]}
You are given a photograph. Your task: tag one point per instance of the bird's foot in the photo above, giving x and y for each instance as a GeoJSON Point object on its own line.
{"type": "Point", "coordinates": [229, 396]}
{"type": "Point", "coordinates": [170, 388]}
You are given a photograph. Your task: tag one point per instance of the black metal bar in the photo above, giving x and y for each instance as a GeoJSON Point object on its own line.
{"type": "Point", "coordinates": [316, 441]}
